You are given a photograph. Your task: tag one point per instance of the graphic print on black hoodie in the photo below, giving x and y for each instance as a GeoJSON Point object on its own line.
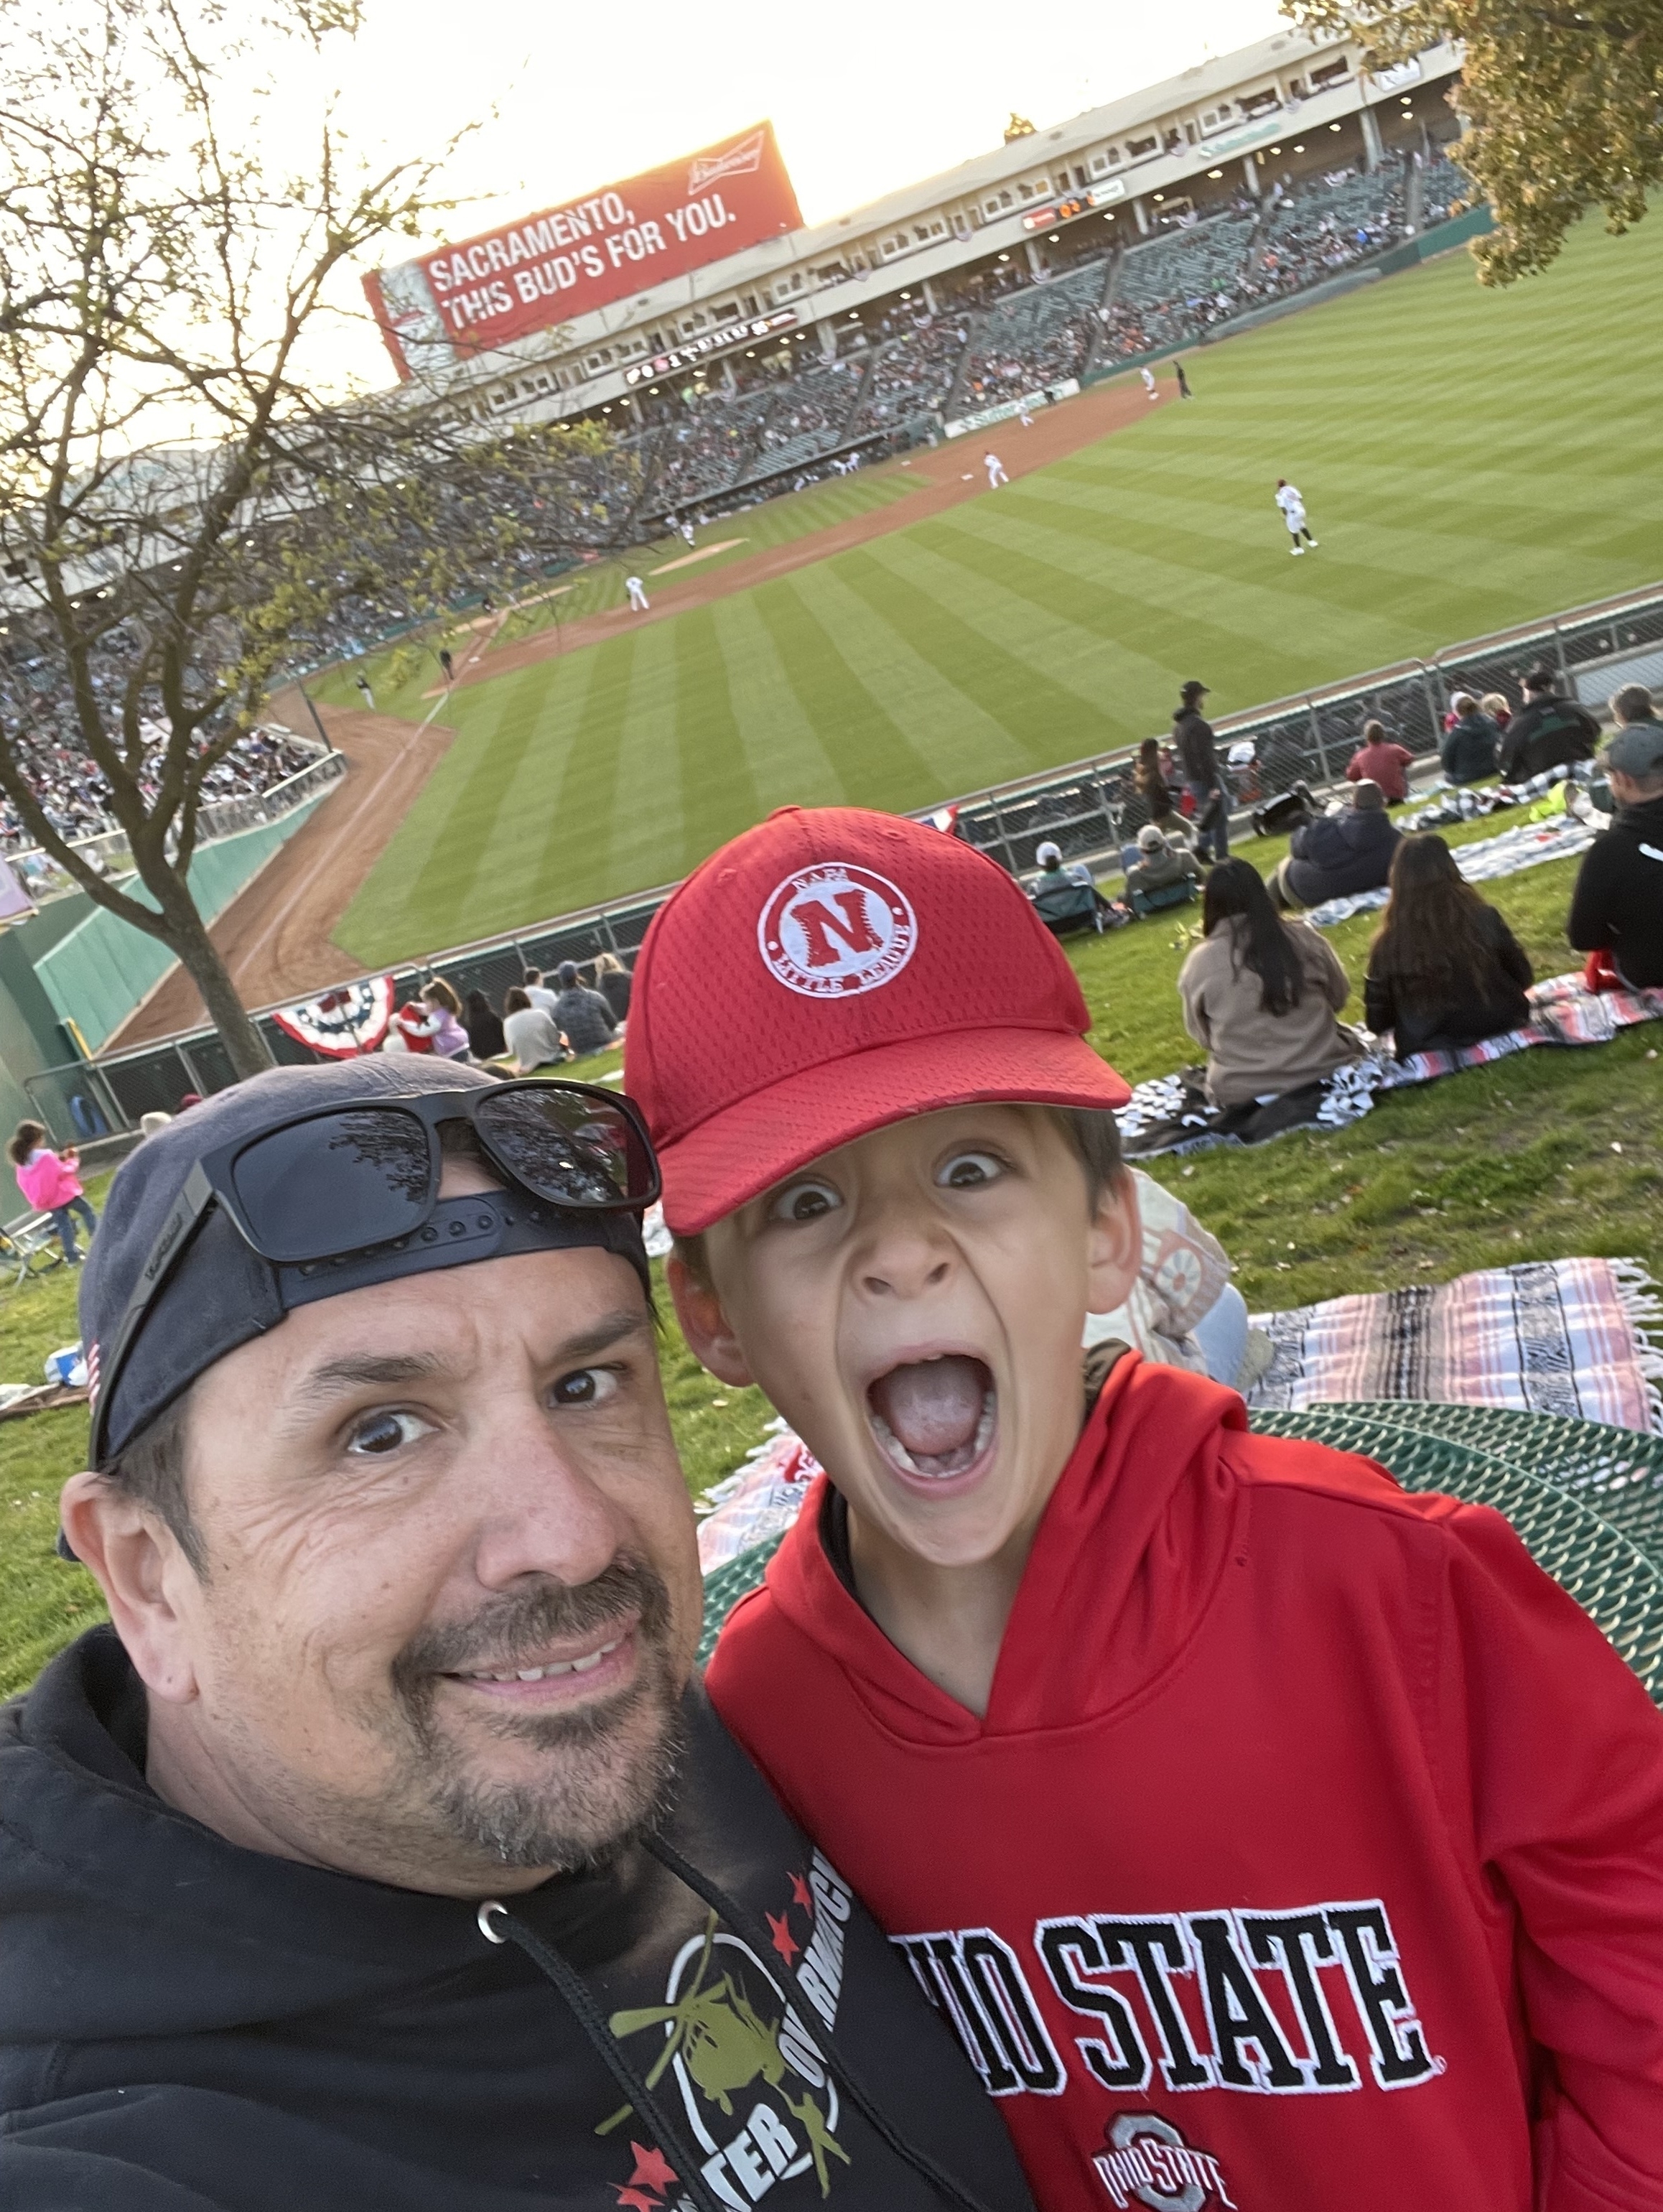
{"type": "Point", "coordinates": [188, 2027]}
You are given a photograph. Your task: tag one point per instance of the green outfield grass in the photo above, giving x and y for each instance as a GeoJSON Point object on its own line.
{"type": "Point", "coordinates": [1470, 459]}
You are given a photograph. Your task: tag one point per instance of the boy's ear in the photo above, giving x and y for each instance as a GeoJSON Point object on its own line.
{"type": "Point", "coordinates": [705, 1326]}
{"type": "Point", "coordinates": [1114, 1253]}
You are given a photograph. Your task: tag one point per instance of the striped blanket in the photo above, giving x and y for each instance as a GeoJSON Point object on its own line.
{"type": "Point", "coordinates": [1526, 845]}
{"type": "Point", "coordinates": [1575, 1337]}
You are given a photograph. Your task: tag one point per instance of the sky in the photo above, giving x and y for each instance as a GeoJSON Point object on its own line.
{"type": "Point", "coordinates": [866, 95]}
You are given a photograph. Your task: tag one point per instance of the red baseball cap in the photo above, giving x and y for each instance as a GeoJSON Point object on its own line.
{"type": "Point", "coordinates": [829, 972]}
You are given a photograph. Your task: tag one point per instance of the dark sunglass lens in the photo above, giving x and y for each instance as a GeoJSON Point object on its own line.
{"type": "Point", "coordinates": [335, 1184]}
{"type": "Point", "coordinates": [572, 1150]}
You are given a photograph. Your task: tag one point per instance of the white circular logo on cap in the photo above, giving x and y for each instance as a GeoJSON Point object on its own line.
{"type": "Point", "coordinates": [834, 931]}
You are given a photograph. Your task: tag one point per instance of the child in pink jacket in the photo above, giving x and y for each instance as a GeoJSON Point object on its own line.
{"type": "Point", "coordinates": [50, 1183]}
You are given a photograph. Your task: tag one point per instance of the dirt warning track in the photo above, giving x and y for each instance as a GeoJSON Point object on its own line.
{"type": "Point", "coordinates": [276, 935]}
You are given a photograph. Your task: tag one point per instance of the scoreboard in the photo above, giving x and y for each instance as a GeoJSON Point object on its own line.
{"type": "Point", "coordinates": [1076, 204]}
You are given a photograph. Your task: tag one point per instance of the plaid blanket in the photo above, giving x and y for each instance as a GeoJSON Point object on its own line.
{"type": "Point", "coordinates": [1574, 1337]}
{"type": "Point", "coordinates": [1173, 1114]}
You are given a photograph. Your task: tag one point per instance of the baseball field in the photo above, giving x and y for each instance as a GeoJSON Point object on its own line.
{"type": "Point", "coordinates": [1470, 459]}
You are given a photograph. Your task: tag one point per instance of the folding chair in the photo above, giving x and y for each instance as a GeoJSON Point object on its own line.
{"type": "Point", "coordinates": [29, 1246]}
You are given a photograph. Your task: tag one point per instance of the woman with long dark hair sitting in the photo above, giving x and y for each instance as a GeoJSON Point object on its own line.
{"type": "Point", "coordinates": [1444, 970]}
{"type": "Point", "coordinates": [1260, 994]}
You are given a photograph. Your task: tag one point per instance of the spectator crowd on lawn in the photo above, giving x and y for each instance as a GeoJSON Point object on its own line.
{"type": "Point", "coordinates": [535, 1027]}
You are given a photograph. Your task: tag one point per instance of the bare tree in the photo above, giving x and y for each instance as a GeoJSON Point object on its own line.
{"type": "Point", "coordinates": [181, 508]}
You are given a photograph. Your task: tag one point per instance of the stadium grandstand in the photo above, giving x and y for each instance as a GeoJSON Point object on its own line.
{"type": "Point", "coordinates": [1134, 229]}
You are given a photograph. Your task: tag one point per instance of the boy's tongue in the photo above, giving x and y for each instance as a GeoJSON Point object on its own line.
{"type": "Point", "coordinates": [933, 1406]}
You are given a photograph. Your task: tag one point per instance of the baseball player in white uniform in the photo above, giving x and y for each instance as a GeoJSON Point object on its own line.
{"type": "Point", "coordinates": [1148, 375]}
{"type": "Point", "coordinates": [1289, 500]}
{"type": "Point", "coordinates": [995, 468]}
{"type": "Point", "coordinates": [637, 591]}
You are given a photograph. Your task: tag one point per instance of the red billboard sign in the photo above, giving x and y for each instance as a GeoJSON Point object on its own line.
{"type": "Point", "coordinates": [559, 265]}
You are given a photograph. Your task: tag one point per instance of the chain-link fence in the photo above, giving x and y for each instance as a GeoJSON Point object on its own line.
{"type": "Point", "coordinates": [1089, 809]}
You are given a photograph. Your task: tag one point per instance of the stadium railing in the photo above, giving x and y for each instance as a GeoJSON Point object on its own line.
{"type": "Point", "coordinates": [1085, 807]}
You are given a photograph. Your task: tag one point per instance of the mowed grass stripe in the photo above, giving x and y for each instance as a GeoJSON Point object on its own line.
{"type": "Point", "coordinates": [446, 836]}
{"type": "Point", "coordinates": [585, 798]}
{"type": "Point", "coordinates": [789, 765]}
{"type": "Point", "coordinates": [947, 724]}
{"type": "Point", "coordinates": [1037, 714]}
{"type": "Point", "coordinates": [642, 844]}
{"type": "Point", "coordinates": [852, 724]}
{"type": "Point", "coordinates": [719, 792]}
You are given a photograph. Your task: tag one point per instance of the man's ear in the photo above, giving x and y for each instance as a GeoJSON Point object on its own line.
{"type": "Point", "coordinates": [142, 1571]}
{"type": "Point", "coordinates": [1114, 1252]}
{"type": "Point", "coordinates": [709, 1334]}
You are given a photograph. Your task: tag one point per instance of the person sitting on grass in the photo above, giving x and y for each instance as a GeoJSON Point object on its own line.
{"type": "Point", "coordinates": [1377, 760]}
{"type": "Point", "coordinates": [612, 981]}
{"type": "Point", "coordinates": [1164, 873]}
{"type": "Point", "coordinates": [530, 1034]}
{"type": "Point", "coordinates": [1064, 894]}
{"type": "Point", "coordinates": [1273, 1837]}
{"type": "Point", "coordinates": [486, 1039]}
{"type": "Point", "coordinates": [1469, 745]}
{"type": "Point", "coordinates": [584, 1015]}
{"type": "Point", "coordinates": [450, 1038]}
{"type": "Point", "coordinates": [1616, 908]}
{"type": "Point", "coordinates": [1339, 854]}
{"type": "Point", "coordinates": [1444, 970]}
{"type": "Point", "coordinates": [1260, 995]}
{"type": "Point", "coordinates": [51, 1183]}
{"type": "Point", "coordinates": [1548, 732]}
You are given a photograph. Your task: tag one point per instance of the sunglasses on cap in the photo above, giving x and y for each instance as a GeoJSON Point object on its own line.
{"type": "Point", "coordinates": [349, 1178]}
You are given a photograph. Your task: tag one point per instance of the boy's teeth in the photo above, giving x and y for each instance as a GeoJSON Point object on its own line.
{"type": "Point", "coordinates": [558, 1667]}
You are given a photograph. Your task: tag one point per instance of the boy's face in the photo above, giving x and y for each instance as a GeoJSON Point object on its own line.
{"type": "Point", "coordinates": [914, 1303]}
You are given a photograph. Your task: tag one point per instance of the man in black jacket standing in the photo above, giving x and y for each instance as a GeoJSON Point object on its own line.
{"type": "Point", "coordinates": [1197, 754]}
{"type": "Point", "coordinates": [1547, 732]}
{"type": "Point", "coordinates": [383, 1852]}
{"type": "Point", "coordinates": [1618, 904]}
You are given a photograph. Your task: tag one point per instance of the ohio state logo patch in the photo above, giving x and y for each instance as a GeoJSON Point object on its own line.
{"type": "Point", "coordinates": [834, 931]}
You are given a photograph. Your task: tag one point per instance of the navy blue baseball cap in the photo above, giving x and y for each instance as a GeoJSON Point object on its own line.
{"type": "Point", "coordinates": [221, 1293]}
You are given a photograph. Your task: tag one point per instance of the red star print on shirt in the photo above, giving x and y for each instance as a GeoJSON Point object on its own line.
{"type": "Point", "coordinates": [783, 1942]}
{"type": "Point", "coordinates": [634, 2200]}
{"type": "Point", "coordinates": [652, 2169]}
{"type": "Point", "coordinates": [802, 1893]}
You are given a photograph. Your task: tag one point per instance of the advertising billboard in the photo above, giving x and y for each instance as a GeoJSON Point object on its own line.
{"type": "Point", "coordinates": [552, 267]}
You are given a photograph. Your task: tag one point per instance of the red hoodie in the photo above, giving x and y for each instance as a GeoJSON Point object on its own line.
{"type": "Point", "coordinates": [1309, 1857]}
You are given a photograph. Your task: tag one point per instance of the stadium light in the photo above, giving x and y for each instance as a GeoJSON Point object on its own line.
{"type": "Point", "coordinates": [1333, 126]}
{"type": "Point", "coordinates": [1276, 150]}
{"type": "Point", "coordinates": [1299, 149]}
{"type": "Point", "coordinates": [1215, 173]}
{"type": "Point", "coordinates": [1004, 256]}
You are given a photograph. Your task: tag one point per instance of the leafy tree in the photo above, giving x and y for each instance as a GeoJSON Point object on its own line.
{"type": "Point", "coordinates": [1562, 101]}
{"type": "Point", "coordinates": [182, 508]}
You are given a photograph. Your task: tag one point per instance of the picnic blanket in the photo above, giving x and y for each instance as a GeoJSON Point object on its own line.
{"type": "Point", "coordinates": [1173, 1114]}
{"type": "Point", "coordinates": [1579, 1338]}
{"type": "Point", "coordinates": [1526, 845]}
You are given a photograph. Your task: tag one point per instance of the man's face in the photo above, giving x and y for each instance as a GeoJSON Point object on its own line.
{"type": "Point", "coordinates": [452, 1593]}
{"type": "Point", "coordinates": [913, 1304]}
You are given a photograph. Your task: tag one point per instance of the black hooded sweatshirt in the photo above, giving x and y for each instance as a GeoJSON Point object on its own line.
{"type": "Point", "coordinates": [186, 2025]}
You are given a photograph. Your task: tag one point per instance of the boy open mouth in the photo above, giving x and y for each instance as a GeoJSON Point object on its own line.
{"type": "Point", "coordinates": [934, 1419]}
